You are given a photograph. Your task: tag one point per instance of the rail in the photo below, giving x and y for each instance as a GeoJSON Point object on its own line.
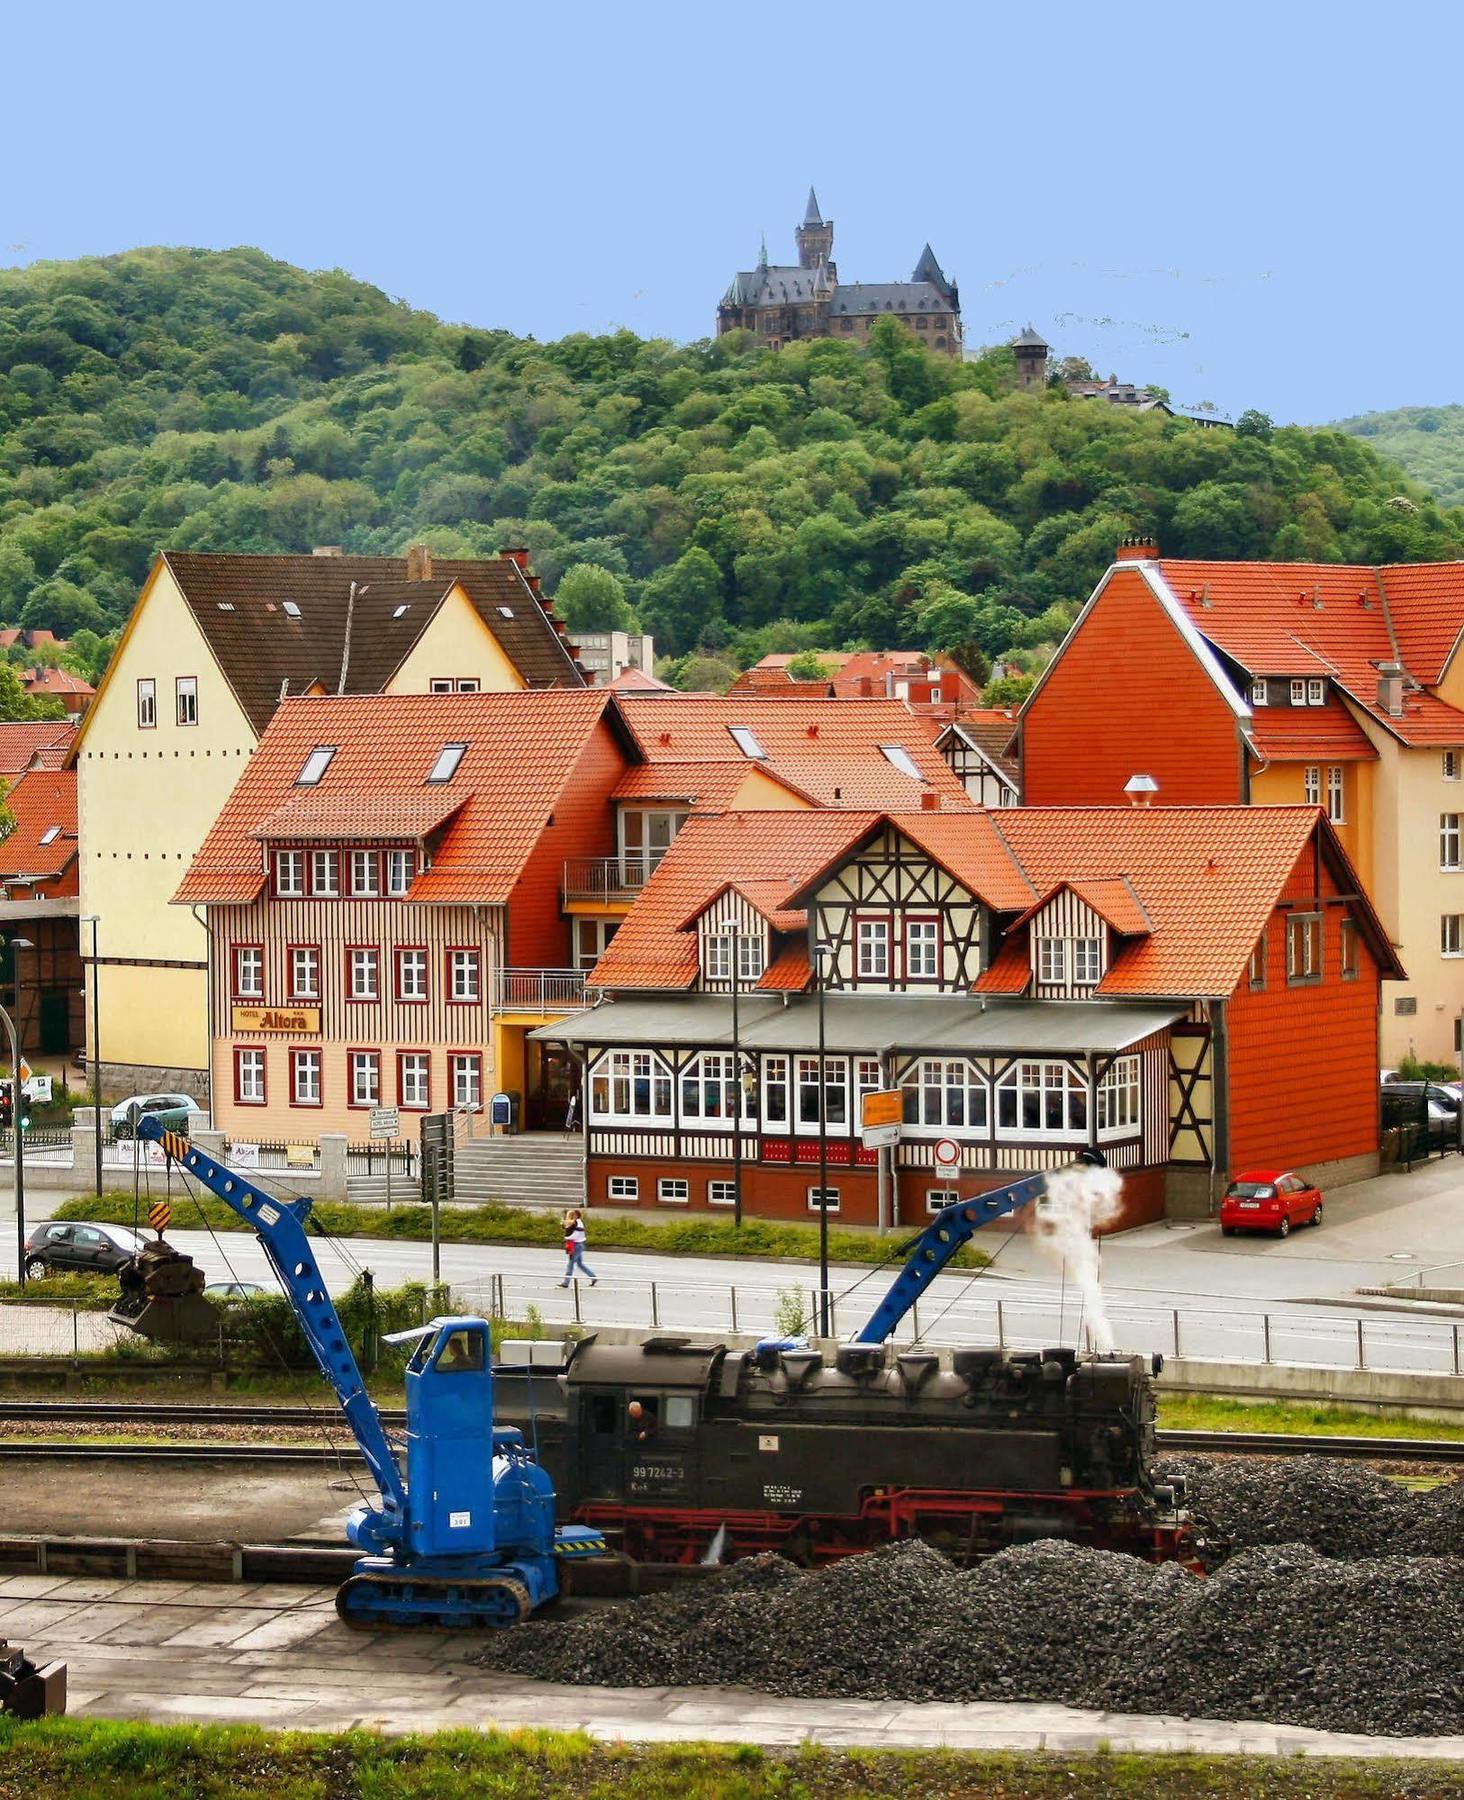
{"type": "Point", "coordinates": [538, 990]}
{"type": "Point", "coordinates": [607, 879]}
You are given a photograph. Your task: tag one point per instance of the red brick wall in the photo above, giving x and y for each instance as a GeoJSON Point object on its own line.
{"type": "Point", "coordinates": [1303, 1061]}
{"type": "Point", "coordinates": [1128, 697]}
{"type": "Point", "coordinates": [584, 825]}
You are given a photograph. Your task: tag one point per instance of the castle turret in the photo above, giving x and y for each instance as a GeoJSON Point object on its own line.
{"type": "Point", "coordinates": [815, 236]}
{"type": "Point", "coordinates": [1031, 353]}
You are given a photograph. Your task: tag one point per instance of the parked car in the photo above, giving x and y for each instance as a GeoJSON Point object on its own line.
{"type": "Point", "coordinates": [176, 1111]}
{"type": "Point", "coordinates": [1431, 1108]}
{"type": "Point", "coordinates": [232, 1290]}
{"type": "Point", "coordinates": [1269, 1200]}
{"type": "Point", "coordinates": [70, 1247]}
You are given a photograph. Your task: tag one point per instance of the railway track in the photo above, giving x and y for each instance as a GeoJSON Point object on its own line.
{"type": "Point", "coordinates": [104, 1413]}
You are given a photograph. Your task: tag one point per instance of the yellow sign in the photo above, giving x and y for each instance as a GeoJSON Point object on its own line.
{"type": "Point", "coordinates": [160, 1216]}
{"type": "Point", "coordinates": [884, 1107]}
{"type": "Point", "coordinates": [293, 1021]}
{"type": "Point", "coordinates": [300, 1156]}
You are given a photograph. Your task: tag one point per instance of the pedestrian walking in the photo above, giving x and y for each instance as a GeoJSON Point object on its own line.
{"type": "Point", "coordinates": [574, 1248]}
{"type": "Point", "coordinates": [571, 1112]}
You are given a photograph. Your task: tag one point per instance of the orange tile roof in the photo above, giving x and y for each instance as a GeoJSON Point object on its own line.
{"type": "Point", "coordinates": [826, 749]}
{"type": "Point", "coordinates": [707, 785]}
{"type": "Point", "coordinates": [769, 898]}
{"type": "Point", "coordinates": [40, 801]}
{"type": "Point", "coordinates": [1301, 733]}
{"type": "Point", "coordinates": [1111, 897]}
{"type": "Point", "coordinates": [1011, 968]}
{"type": "Point", "coordinates": [521, 748]}
{"type": "Point", "coordinates": [789, 972]}
{"type": "Point", "coordinates": [1334, 619]}
{"type": "Point", "coordinates": [21, 738]}
{"type": "Point", "coordinates": [633, 681]}
{"type": "Point", "coordinates": [54, 681]}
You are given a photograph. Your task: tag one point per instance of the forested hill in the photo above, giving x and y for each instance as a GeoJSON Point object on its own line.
{"type": "Point", "coordinates": [225, 401]}
{"type": "Point", "coordinates": [1426, 441]}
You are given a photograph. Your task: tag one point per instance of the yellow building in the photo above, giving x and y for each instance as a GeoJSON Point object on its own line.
{"type": "Point", "coordinates": [212, 646]}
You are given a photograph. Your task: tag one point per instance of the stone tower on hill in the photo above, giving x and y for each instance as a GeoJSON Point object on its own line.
{"type": "Point", "coordinates": [784, 302]}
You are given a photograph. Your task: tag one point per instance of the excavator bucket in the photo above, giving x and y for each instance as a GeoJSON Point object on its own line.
{"type": "Point", "coordinates": [29, 1690]}
{"type": "Point", "coordinates": [162, 1297]}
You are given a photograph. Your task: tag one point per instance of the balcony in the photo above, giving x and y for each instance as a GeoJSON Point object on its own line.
{"type": "Point", "coordinates": [544, 993]}
{"type": "Point", "coordinates": [607, 880]}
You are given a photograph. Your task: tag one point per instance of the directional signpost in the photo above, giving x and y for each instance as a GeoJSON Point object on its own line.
{"type": "Point", "coordinates": [386, 1122]}
{"type": "Point", "coordinates": [880, 1117]}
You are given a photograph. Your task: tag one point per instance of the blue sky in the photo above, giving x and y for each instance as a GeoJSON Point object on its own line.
{"type": "Point", "coordinates": [1251, 205]}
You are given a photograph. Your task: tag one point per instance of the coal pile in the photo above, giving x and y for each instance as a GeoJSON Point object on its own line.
{"type": "Point", "coordinates": [1341, 1509]}
{"type": "Point", "coordinates": [1283, 1634]}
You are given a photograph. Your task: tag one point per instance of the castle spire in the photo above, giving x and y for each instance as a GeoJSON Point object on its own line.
{"type": "Point", "coordinates": [762, 250]}
{"type": "Point", "coordinates": [812, 215]}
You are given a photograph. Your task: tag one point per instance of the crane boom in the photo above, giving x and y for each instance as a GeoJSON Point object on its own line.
{"type": "Point", "coordinates": [951, 1228]}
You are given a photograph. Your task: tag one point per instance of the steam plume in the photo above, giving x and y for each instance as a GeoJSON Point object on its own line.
{"type": "Point", "coordinates": [1078, 1202]}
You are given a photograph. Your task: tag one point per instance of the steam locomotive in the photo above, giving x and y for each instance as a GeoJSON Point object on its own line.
{"type": "Point", "coordinates": [671, 1446]}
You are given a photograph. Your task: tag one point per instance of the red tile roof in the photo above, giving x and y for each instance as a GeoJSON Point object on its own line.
{"type": "Point", "coordinates": [21, 738]}
{"type": "Point", "coordinates": [54, 681]}
{"type": "Point", "coordinates": [1111, 897]}
{"type": "Point", "coordinates": [41, 801]}
{"type": "Point", "coordinates": [521, 749]}
{"type": "Point", "coordinates": [709, 786]}
{"type": "Point", "coordinates": [1309, 733]}
{"type": "Point", "coordinates": [637, 681]}
{"type": "Point", "coordinates": [789, 971]}
{"type": "Point", "coordinates": [826, 749]}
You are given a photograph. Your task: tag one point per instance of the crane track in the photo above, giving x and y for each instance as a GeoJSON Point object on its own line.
{"type": "Point", "coordinates": [114, 1413]}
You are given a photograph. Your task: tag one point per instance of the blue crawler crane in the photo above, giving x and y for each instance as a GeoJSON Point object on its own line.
{"type": "Point", "coordinates": [468, 1538]}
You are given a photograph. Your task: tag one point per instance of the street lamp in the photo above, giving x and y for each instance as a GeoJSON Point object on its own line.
{"type": "Point", "coordinates": [16, 1097]}
{"type": "Point", "coordinates": [821, 955]}
{"type": "Point", "coordinates": [93, 920]}
{"type": "Point", "coordinates": [732, 939]}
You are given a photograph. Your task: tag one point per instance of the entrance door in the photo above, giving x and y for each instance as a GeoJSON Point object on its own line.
{"type": "Point", "coordinates": [55, 1021]}
{"type": "Point", "coordinates": [556, 1078]}
{"type": "Point", "coordinates": [602, 1437]}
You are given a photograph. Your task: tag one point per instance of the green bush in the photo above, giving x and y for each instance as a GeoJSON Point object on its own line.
{"type": "Point", "coordinates": [1410, 1068]}
{"type": "Point", "coordinates": [91, 1293]}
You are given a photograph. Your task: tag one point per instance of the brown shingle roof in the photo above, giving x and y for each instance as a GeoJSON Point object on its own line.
{"type": "Point", "coordinates": [239, 605]}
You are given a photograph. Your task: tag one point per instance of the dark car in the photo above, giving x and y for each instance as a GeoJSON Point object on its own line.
{"type": "Point", "coordinates": [69, 1247]}
{"type": "Point", "coordinates": [1427, 1109]}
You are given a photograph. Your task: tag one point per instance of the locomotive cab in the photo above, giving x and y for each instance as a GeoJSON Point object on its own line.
{"type": "Point", "coordinates": [639, 1410]}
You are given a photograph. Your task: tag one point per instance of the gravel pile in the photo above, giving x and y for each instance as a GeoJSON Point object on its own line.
{"type": "Point", "coordinates": [1339, 1508]}
{"type": "Point", "coordinates": [1282, 1634]}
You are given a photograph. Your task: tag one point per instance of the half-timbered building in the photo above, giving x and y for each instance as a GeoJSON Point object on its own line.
{"type": "Point", "coordinates": [1161, 985]}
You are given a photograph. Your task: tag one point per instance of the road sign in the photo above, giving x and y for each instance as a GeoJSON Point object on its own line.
{"type": "Point", "coordinates": [878, 1137]}
{"type": "Point", "coordinates": [947, 1153]}
{"type": "Point", "coordinates": [386, 1121]}
{"type": "Point", "coordinates": [160, 1216]}
{"type": "Point", "coordinates": [885, 1106]}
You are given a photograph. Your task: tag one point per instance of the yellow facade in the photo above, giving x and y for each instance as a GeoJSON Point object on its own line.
{"type": "Point", "coordinates": [1284, 784]}
{"type": "Point", "coordinates": [147, 796]}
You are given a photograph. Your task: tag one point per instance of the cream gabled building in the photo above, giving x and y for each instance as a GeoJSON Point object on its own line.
{"type": "Point", "coordinates": [212, 646]}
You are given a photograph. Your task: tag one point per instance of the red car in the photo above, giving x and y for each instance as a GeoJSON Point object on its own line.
{"type": "Point", "coordinates": [1269, 1200]}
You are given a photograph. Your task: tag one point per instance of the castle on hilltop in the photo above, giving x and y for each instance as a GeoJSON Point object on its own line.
{"type": "Point", "coordinates": [784, 302]}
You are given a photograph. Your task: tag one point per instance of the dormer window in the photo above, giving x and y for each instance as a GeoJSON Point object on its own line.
{"type": "Point", "coordinates": [1051, 959]}
{"type": "Point", "coordinates": [447, 761]}
{"type": "Point", "coordinates": [1258, 693]}
{"type": "Point", "coordinates": [746, 741]}
{"type": "Point", "coordinates": [718, 957]}
{"type": "Point", "coordinates": [315, 765]}
{"type": "Point", "coordinates": [1298, 693]}
{"type": "Point", "coordinates": [1316, 693]}
{"type": "Point", "coordinates": [1087, 960]}
{"type": "Point", "coordinates": [751, 956]}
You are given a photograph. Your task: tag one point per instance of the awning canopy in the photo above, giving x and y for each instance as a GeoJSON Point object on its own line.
{"type": "Point", "coordinates": [921, 1023]}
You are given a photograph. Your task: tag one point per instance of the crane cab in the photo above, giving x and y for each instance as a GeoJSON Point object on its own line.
{"type": "Point", "coordinates": [450, 1441]}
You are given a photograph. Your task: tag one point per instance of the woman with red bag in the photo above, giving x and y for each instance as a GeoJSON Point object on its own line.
{"type": "Point", "coordinates": [574, 1248]}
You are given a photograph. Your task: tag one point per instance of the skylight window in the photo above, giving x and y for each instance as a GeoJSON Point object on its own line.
{"type": "Point", "coordinates": [50, 834]}
{"type": "Point", "coordinates": [226, 606]}
{"type": "Point", "coordinates": [901, 758]}
{"type": "Point", "coordinates": [507, 611]}
{"type": "Point", "coordinates": [400, 612]}
{"type": "Point", "coordinates": [316, 764]}
{"type": "Point", "coordinates": [291, 607]}
{"type": "Point", "coordinates": [446, 765]}
{"type": "Point", "coordinates": [747, 743]}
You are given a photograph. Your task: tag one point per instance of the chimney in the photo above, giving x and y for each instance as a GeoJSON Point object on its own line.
{"type": "Point", "coordinates": [1141, 790]}
{"type": "Point", "coordinates": [533, 581]}
{"type": "Point", "coordinates": [929, 800]}
{"type": "Point", "coordinates": [1135, 548]}
{"type": "Point", "coordinates": [517, 554]}
{"type": "Point", "coordinates": [419, 563]}
{"type": "Point", "coordinates": [1390, 689]}
{"type": "Point", "coordinates": [326, 550]}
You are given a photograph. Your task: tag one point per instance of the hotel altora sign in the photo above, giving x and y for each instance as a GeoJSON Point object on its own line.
{"type": "Point", "coordinates": [303, 1021]}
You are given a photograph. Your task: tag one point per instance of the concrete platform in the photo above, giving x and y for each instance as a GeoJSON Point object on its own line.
{"type": "Point", "coordinates": [278, 1656]}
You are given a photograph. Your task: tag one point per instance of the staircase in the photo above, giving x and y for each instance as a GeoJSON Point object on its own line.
{"type": "Point", "coordinates": [370, 1190]}
{"type": "Point", "coordinates": [535, 1168]}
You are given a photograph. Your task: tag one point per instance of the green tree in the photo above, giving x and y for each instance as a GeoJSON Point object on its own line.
{"type": "Point", "coordinates": [808, 665]}
{"type": "Point", "coordinates": [1008, 690]}
{"type": "Point", "coordinates": [1254, 424]}
{"type": "Point", "coordinates": [590, 598]}
{"type": "Point", "coordinates": [700, 673]}
{"type": "Point", "coordinates": [16, 703]}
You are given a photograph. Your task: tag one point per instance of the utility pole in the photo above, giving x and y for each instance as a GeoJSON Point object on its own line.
{"type": "Point", "coordinates": [96, 1011]}
{"type": "Point", "coordinates": [734, 940]}
{"type": "Point", "coordinates": [821, 952]}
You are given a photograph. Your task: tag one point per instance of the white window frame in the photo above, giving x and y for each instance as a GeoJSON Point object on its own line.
{"type": "Point", "coordinates": [1120, 1095]}
{"type": "Point", "coordinates": [751, 956]}
{"type": "Point", "coordinates": [1087, 961]}
{"type": "Point", "coordinates": [147, 703]}
{"type": "Point", "coordinates": [325, 874]}
{"type": "Point", "coordinates": [465, 973]}
{"type": "Point", "coordinates": [623, 1187]}
{"type": "Point", "coordinates": [363, 962]}
{"type": "Point", "coordinates": [1450, 765]}
{"type": "Point", "coordinates": [947, 1094]}
{"type": "Point", "coordinates": [252, 956]}
{"type": "Point", "coordinates": [185, 699]}
{"type": "Point", "coordinates": [922, 949]}
{"type": "Point", "coordinates": [707, 1082]}
{"type": "Point", "coordinates": [719, 957]}
{"type": "Point", "coordinates": [1316, 692]}
{"type": "Point", "coordinates": [468, 1064]}
{"type": "Point", "coordinates": [621, 1079]}
{"type": "Point", "coordinates": [1052, 960]}
{"type": "Point", "coordinates": [292, 861]}
{"type": "Point", "coordinates": [249, 1074]}
{"type": "Point", "coordinates": [721, 1193]}
{"type": "Point", "coordinates": [401, 869]}
{"type": "Point", "coordinates": [305, 971]}
{"type": "Point", "coordinates": [836, 1093]}
{"type": "Point", "coordinates": [305, 1077]}
{"type": "Point", "coordinates": [1258, 692]}
{"type": "Point", "coordinates": [833, 1200]}
{"type": "Point", "coordinates": [1451, 934]}
{"type": "Point", "coordinates": [447, 762]}
{"type": "Point", "coordinates": [1059, 1094]}
{"type": "Point", "coordinates": [1449, 840]}
{"type": "Point", "coordinates": [1336, 795]}
{"type": "Point", "coordinates": [776, 1079]}
{"type": "Point", "coordinates": [365, 1073]}
{"type": "Point", "coordinates": [1298, 692]}
{"type": "Point", "coordinates": [746, 740]}
{"type": "Point", "coordinates": [938, 1199]}
{"type": "Point", "coordinates": [673, 1190]}
{"type": "Point", "coordinates": [1311, 784]}
{"type": "Point", "coordinates": [312, 770]}
{"type": "Point", "coordinates": [872, 935]}
{"type": "Point", "coordinates": [415, 1094]}
{"type": "Point", "coordinates": [1305, 949]}
{"type": "Point", "coordinates": [412, 958]}
{"type": "Point", "coordinates": [365, 875]}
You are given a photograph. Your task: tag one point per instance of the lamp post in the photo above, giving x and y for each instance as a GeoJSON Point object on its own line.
{"type": "Point", "coordinates": [732, 939]}
{"type": "Point", "coordinates": [12, 1026]}
{"type": "Point", "coordinates": [821, 953]}
{"type": "Point", "coordinates": [96, 1011]}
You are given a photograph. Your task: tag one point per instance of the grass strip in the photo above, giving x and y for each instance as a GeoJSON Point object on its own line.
{"type": "Point", "coordinates": [1202, 1412]}
{"type": "Point", "coordinates": [85, 1759]}
{"type": "Point", "coordinates": [499, 1224]}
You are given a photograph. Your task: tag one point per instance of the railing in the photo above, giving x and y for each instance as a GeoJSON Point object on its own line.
{"type": "Point", "coordinates": [538, 990]}
{"type": "Point", "coordinates": [374, 1159]}
{"type": "Point", "coordinates": [608, 878]}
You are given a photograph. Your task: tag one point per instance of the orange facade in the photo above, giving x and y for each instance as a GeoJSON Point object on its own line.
{"type": "Point", "coordinates": [1129, 696]}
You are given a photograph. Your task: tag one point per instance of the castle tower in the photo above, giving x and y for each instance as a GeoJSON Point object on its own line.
{"type": "Point", "coordinates": [815, 236]}
{"type": "Point", "coordinates": [1031, 354]}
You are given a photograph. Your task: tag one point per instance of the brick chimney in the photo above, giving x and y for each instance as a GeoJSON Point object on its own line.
{"type": "Point", "coordinates": [1136, 549]}
{"type": "Point", "coordinates": [517, 554]}
{"type": "Point", "coordinates": [419, 563]}
{"type": "Point", "coordinates": [929, 800]}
